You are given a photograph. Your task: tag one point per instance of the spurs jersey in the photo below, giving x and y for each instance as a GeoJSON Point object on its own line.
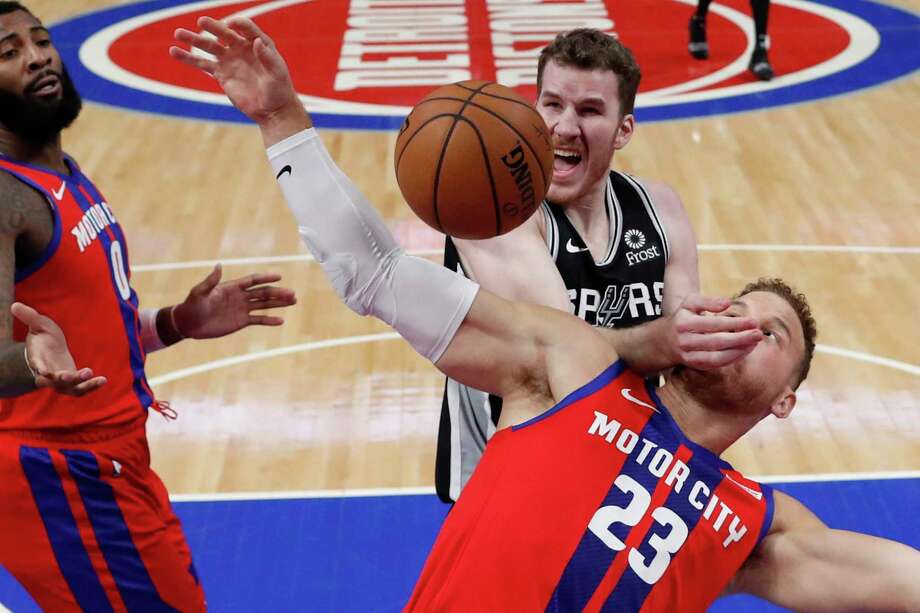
{"type": "Point", "coordinates": [624, 288]}
{"type": "Point", "coordinates": [600, 503]}
{"type": "Point", "coordinates": [81, 281]}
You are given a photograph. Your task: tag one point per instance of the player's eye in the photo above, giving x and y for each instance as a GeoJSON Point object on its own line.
{"type": "Point", "coordinates": [8, 54]}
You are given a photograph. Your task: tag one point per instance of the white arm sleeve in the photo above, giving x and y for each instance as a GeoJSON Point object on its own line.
{"type": "Point", "coordinates": [424, 302]}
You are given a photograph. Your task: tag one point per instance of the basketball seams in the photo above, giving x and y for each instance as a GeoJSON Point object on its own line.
{"type": "Point", "coordinates": [416, 133]}
{"type": "Point", "coordinates": [486, 160]}
{"type": "Point", "coordinates": [523, 103]}
{"type": "Point", "coordinates": [444, 145]}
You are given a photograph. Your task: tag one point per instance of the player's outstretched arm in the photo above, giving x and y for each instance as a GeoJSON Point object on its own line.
{"type": "Point", "coordinates": [424, 302]}
{"type": "Point", "coordinates": [213, 309]}
{"type": "Point", "coordinates": [806, 566]}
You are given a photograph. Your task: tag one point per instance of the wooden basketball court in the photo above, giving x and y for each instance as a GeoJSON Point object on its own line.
{"type": "Point", "coordinates": [823, 194]}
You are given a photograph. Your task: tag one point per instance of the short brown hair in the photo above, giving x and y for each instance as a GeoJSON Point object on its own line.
{"type": "Point", "coordinates": [588, 49]}
{"type": "Point", "coordinates": [9, 7]}
{"type": "Point", "coordinates": [799, 304]}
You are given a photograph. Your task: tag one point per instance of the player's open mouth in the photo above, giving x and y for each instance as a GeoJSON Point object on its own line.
{"type": "Point", "coordinates": [565, 160]}
{"type": "Point", "coordinates": [46, 86]}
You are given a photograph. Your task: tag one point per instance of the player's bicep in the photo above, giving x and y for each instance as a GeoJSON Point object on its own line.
{"type": "Point", "coordinates": [499, 343]}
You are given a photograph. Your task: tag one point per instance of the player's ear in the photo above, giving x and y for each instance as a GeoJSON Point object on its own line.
{"type": "Point", "coordinates": [624, 131]}
{"type": "Point", "coordinates": [784, 404]}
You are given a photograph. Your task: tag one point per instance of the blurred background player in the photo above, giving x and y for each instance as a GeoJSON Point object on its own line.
{"type": "Point", "coordinates": [759, 64]}
{"type": "Point", "coordinates": [613, 249]}
{"type": "Point", "coordinates": [616, 496]}
{"type": "Point", "coordinates": [86, 524]}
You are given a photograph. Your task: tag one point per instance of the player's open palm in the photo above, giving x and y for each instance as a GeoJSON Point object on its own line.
{"type": "Point", "coordinates": [214, 309]}
{"type": "Point", "coordinates": [242, 59]}
{"type": "Point", "coordinates": [49, 358]}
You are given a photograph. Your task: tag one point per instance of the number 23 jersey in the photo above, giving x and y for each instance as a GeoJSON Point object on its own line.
{"type": "Point", "coordinates": [600, 503]}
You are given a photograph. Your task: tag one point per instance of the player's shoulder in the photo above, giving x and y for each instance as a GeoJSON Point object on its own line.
{"type": "Point", "coordinates": [663, 194]}
{"type": "Point", "coordinates": [789, 514]}
{"type": "Point", "coordinates": [13, 189]}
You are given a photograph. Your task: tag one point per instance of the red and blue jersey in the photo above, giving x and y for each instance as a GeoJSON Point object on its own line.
{"type": "Point", "coordinates": [601, 503]}
{"type": "Point", "coordinates": [81, 281]}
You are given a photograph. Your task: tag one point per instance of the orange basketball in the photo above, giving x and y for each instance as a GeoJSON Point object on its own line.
{"type": "Point", "coordinates": [474, 159]}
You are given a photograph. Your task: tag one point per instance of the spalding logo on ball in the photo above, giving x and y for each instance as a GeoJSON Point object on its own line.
{"type": "Point", "coordinates": [474, 159]}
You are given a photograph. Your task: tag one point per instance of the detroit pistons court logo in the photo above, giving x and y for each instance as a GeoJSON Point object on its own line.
{"type": "Point", "coordinates": [364, 63]}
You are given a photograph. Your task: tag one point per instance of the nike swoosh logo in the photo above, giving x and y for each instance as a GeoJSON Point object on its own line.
{"type": "Point", "coordinates": [59, 193]}
{"type": "Point", "coordinates": [572, 248]}
{"type": "Point", "coordinates": [752, 492]}
{"type": "Point", "coordinates": [626, 394]}
{"type": "Point", "coordinates": [287, 169]}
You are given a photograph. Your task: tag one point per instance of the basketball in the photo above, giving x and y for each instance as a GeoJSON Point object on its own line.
{"type": "Point", "coordinates": [474, 159]}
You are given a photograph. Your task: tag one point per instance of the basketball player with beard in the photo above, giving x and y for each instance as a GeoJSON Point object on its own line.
{"type": "Point", "coordinates": [85, 524]}
{"type": "Point", "coordinates": [616, 250]}
{"type": "Point", "coordinates": [598, 491]}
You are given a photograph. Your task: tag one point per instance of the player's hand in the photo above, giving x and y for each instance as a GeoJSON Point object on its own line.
{"type": "Point", "coordinates": [214, 309]}
{"type": "Point", "coordinates": [702, 336]}
{"type": "Point", "coordinates": [245, 63]}
{"type": "Point", "coordinates": [49, 358]}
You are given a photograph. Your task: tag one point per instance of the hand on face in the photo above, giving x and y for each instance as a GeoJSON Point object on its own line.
{"type": "Point", "coordinates": [704, 336]}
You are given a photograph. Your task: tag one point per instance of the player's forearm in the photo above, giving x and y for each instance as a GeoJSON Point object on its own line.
{"type": "Point", "coordinates": [15, 377]}
{"type": "Point", "coordinates": [424, 302]}
{"type": "Point", "coordinates": [644, 347]}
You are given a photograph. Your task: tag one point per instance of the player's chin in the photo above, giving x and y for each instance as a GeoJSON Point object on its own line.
{"type": "Point", "coordinates": [564, 191]}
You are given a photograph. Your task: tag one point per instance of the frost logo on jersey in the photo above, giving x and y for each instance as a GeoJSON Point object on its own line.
{"type": "Point", "coordinates": [661, 463]}
{"type": "Point", "coordinates": [637, 299]}
{"type": "Point", "coordinates": [634, 239]}
{"type": "Point", "coordinates": [378, 58]}
{"type": "Point", "coordinates": [96, 219]}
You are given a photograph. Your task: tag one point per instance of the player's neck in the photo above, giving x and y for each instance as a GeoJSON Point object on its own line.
{"type": "Point", "coordinates": [48, 155]}
{"type": "Point", "coordinates": [716, 430]}
{"type": "Point", "coordinates": [588, 215]}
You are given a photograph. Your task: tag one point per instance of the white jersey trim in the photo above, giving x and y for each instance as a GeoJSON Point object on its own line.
{"type": "Point", "coordinates": [653, 214]}
{"type": "Point", "coordinates": [615, 217]}
{"type": "Point", "coordinates": [552, 231]}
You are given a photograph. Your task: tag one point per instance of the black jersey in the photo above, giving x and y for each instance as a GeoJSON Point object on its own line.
{"type": "Point", "coordinates": [623, 289]}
